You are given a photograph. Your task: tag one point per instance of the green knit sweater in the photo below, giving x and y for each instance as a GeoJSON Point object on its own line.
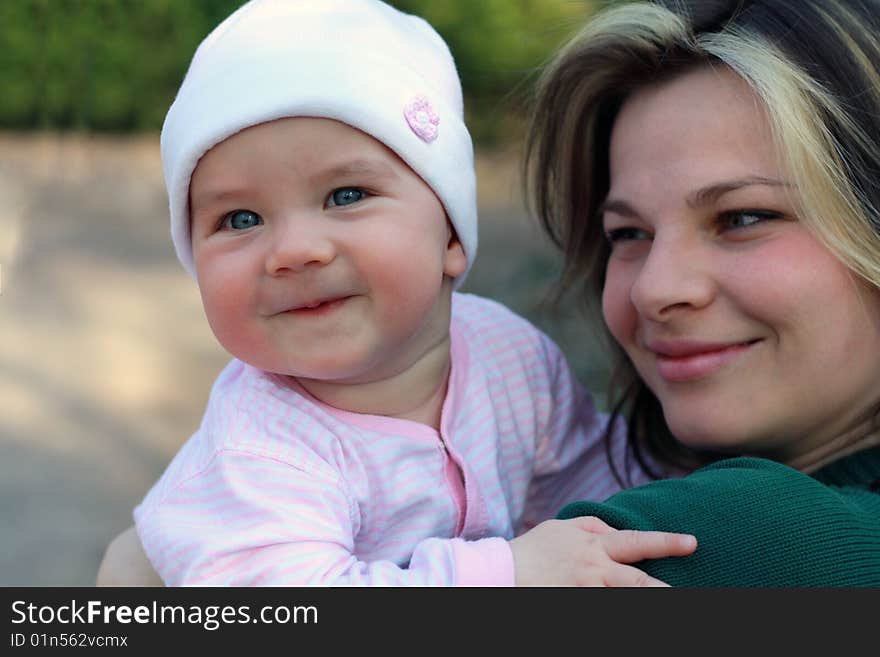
{"type": "Point", "coordinates": [760, 523]}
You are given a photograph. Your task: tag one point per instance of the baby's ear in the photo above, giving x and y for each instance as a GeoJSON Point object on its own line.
{"type": "Point", "coordinates": [456, 260]}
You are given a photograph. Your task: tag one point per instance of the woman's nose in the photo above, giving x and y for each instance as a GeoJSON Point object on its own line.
{"type": "Point", "coordinates": [299, 243]}
{"type": "Point", "coordinates": [675, 275]}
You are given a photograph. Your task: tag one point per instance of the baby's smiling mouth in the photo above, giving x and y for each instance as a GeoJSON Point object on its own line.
{"type": "Point", "coordinates": [317, 307]}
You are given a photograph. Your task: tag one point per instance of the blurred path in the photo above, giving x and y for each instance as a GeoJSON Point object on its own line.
{"type": "Point", "coordinates": [106, 360]}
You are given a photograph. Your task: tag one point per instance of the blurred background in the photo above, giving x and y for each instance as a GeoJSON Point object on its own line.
{"type": "Point", "coordinates": [106, 360]}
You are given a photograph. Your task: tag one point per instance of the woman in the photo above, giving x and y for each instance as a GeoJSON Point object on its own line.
{"type": "Point", "coordinates": [710, 170]}
{"type": "Point", "coordinates": [711, 173]}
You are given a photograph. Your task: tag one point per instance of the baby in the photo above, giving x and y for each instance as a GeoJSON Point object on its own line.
{"type": "Point", "coordinates": [375, 427]}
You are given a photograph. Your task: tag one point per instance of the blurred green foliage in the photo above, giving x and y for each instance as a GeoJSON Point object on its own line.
{"type": "Point", "coordinates": [499, 45]}
{"type": "Point", "coordinates": [115, 65]}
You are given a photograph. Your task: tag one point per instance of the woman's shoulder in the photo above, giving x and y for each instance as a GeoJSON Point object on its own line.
{"type": "Point", "coordinates": [747, 486]}
{"type": "Point", "coordinates": [758, 523]}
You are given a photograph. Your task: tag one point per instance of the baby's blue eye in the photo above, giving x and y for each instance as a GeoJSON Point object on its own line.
{"type": "Point", "coordinates": [346, 196]}
{"type": "Point", "coordinates": [242, 220]}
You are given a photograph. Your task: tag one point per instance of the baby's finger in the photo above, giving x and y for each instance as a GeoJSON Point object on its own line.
{"type": "Point", "coordinates": [628, 576]}
{"type": "Point", "coordinates": [628, 546]}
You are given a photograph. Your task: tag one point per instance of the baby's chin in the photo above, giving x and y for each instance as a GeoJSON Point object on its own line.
{"type": "Point", "coordinates": [331, 370]}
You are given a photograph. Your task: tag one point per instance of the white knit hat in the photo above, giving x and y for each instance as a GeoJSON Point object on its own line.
{"type": "Point", "coordinates": [361, 62]}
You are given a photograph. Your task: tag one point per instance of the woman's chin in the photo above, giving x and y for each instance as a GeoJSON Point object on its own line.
{"type": "Point", "coordinates": [703, 434]}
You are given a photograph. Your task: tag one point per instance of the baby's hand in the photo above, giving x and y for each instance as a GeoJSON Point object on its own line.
{"type": "Point", "coordinates": [587, 552]}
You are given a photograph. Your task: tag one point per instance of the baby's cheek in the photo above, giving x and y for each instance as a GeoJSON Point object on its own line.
{"type": "Point", "coordinates": [226, 309]}
{"type": "Point", "coordinates": [411, 298]}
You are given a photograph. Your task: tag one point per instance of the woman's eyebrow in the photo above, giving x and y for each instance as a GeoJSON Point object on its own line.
{"type": "Point", "coordinates": [711, 193]}
{"type": "Point", "coordinates": [617, 206]}
{"type": "Point", "coordinates": [700, 198]}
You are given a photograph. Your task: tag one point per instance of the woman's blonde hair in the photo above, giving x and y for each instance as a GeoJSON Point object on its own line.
{"type": "Point", "coordinates": [813, 63]}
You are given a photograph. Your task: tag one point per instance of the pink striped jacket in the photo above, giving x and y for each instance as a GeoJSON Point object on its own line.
{"type": "Point", "coordinates": [276, 488]}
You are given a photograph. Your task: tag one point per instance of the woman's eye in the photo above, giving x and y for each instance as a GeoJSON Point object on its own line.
{"type": "Point", "coordinates": [745, 218]}
{"type": "Point", "coordinates": [618, 235]}
{"type": "Point", "coordinates": [241, 220]}
{"type": "Point", "coordinates": [345, 196]}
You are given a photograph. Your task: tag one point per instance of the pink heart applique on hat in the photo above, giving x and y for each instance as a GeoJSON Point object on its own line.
{"type": "Point", "coordinates": [422, 118]}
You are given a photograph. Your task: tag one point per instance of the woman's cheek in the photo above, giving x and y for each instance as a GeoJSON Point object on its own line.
{"type": "Point", "coordinates": [617, 307]}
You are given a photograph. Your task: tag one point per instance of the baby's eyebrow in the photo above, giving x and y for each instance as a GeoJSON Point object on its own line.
{"type": "Point", "coordinates": [212, 196]}
{"type": "Point", "coordinates": [371, 169]}
{"type": "Point", "coordinates": [357, 167]}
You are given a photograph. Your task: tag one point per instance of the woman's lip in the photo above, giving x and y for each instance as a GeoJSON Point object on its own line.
{"type": "Point", "coordinates": [688, 361]}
